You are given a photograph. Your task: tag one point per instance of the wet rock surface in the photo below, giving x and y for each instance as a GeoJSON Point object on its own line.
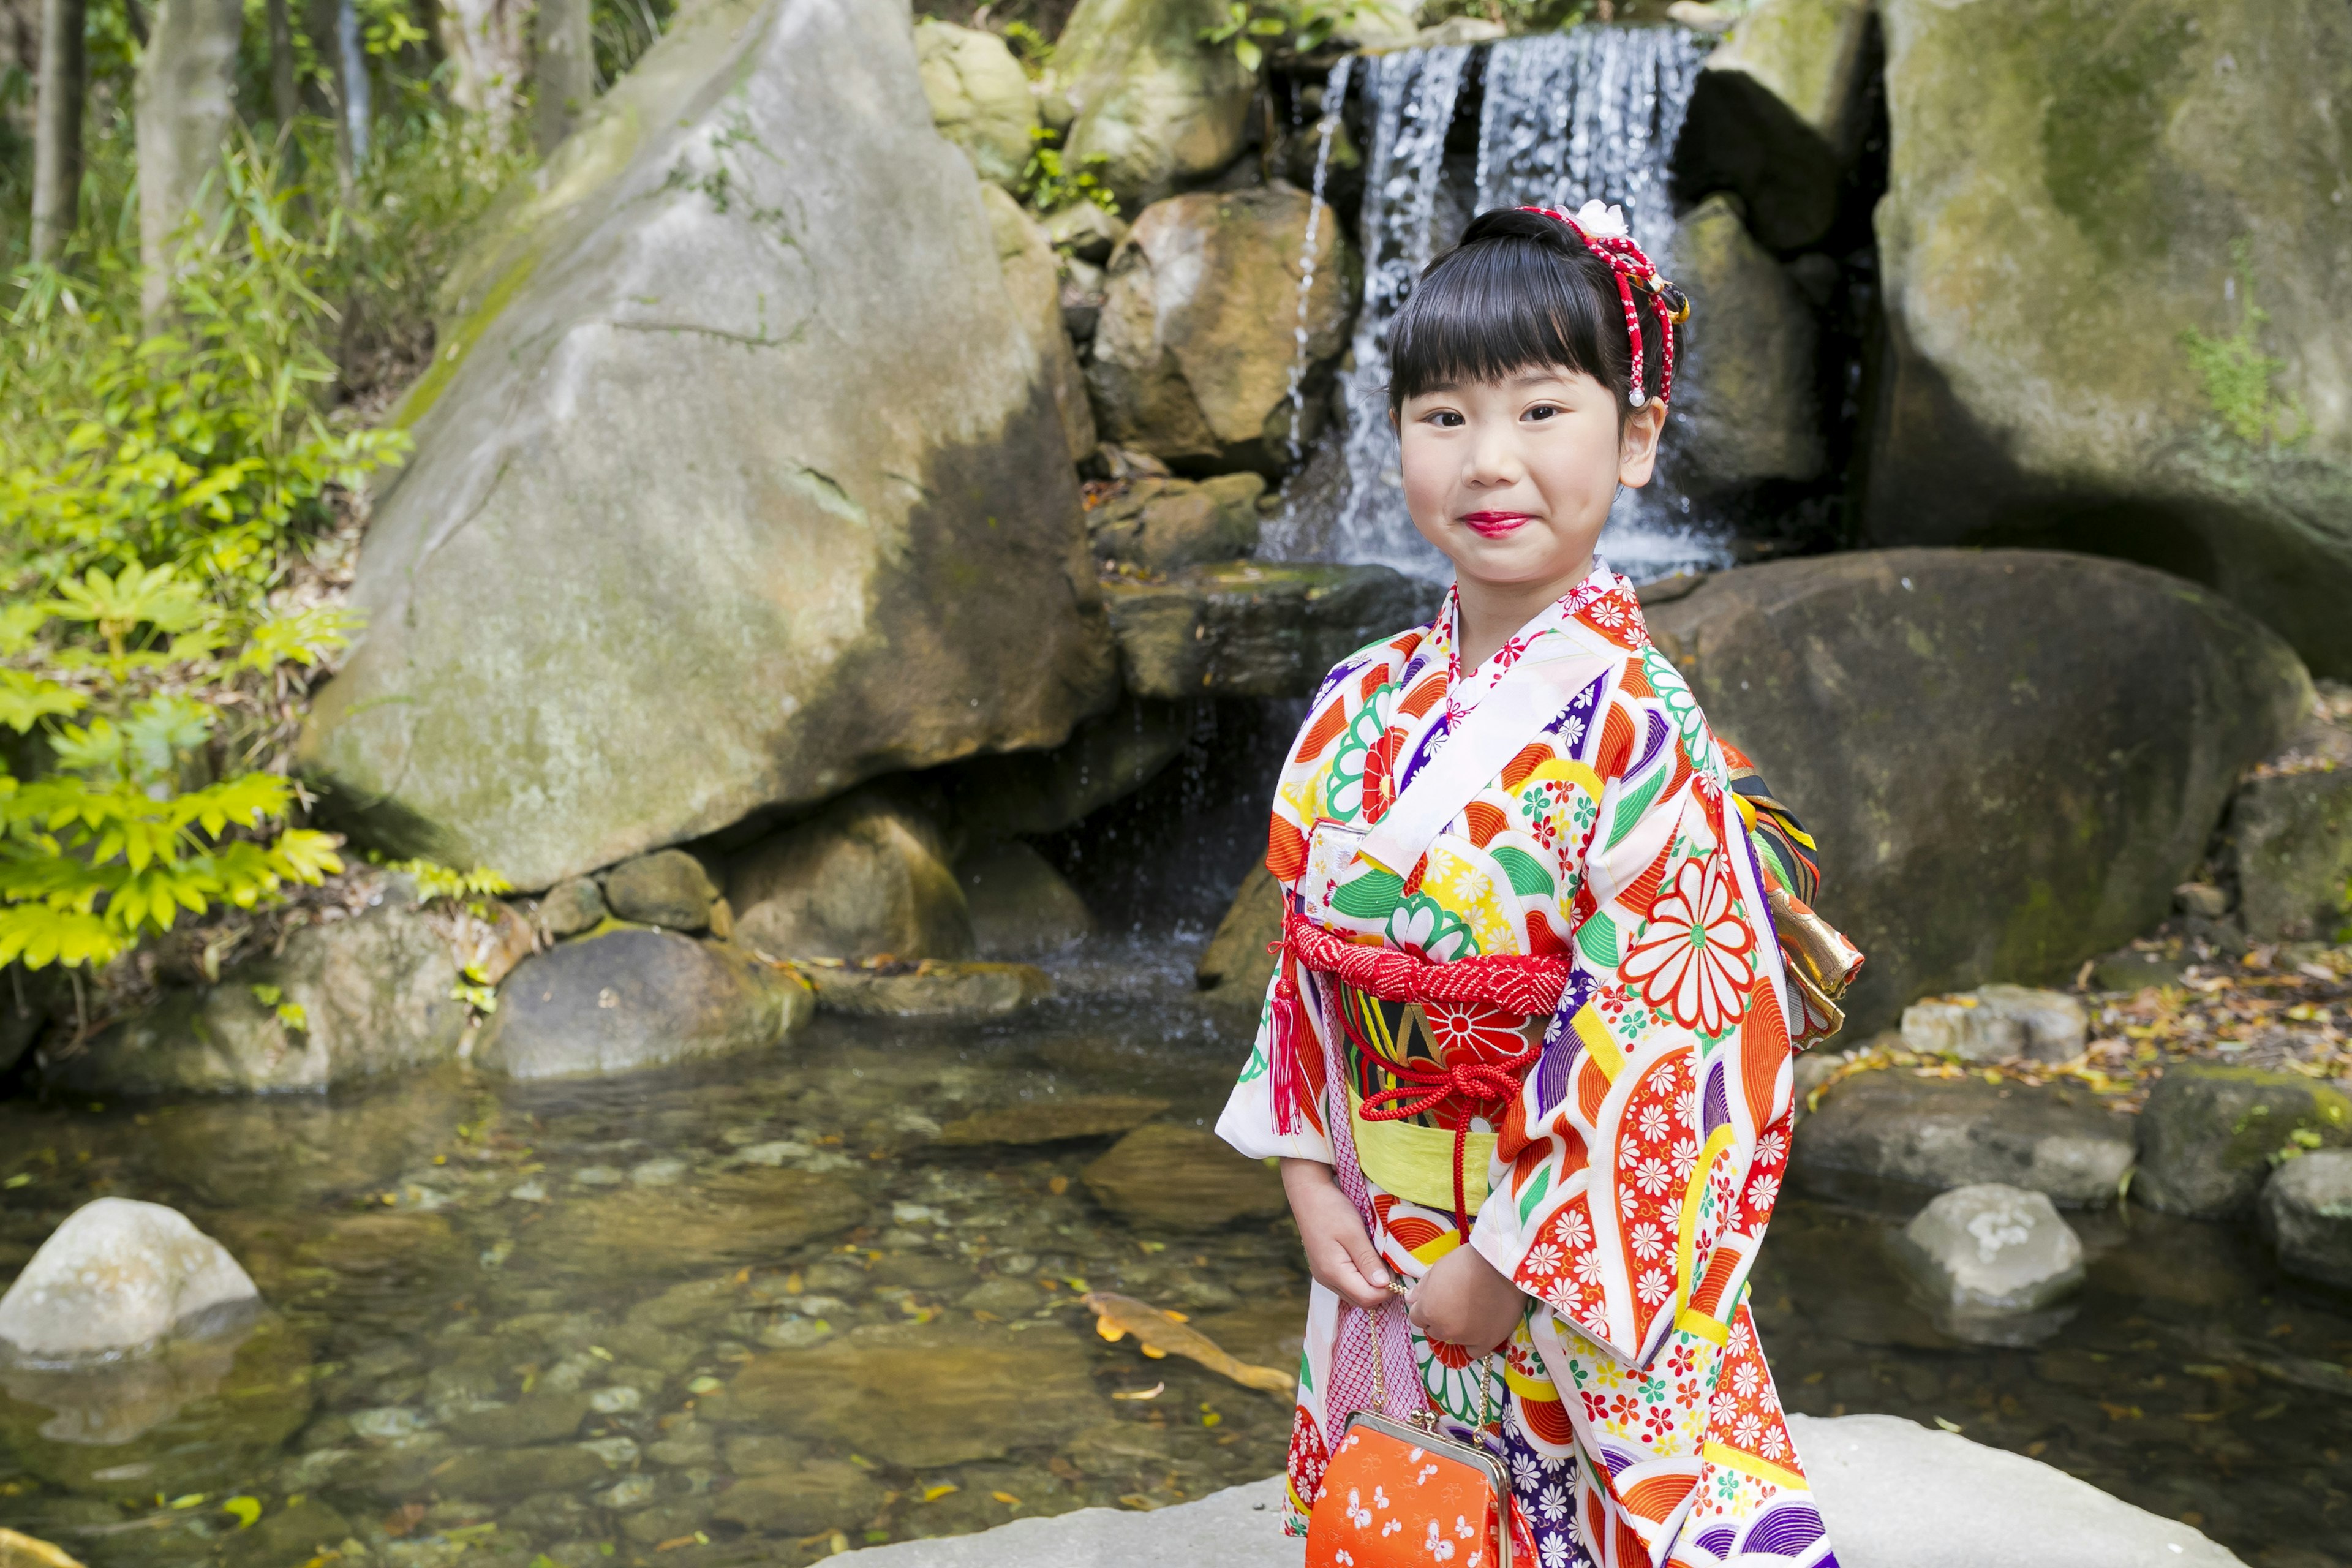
{"type": "Point", "coordinates": [117, 1278]}
{"type": "Point", "coordinates": [634, 998]}
{"type": "Point", "coordinates": [2209, 1133]}
{"type": "Point", "coordinates": [868, 875]}
{"type": "Point", "coordinates": [2307, 1212]}
{"type": "Point", "coordinates": [1255, 631]}
{"type": "Point", "coordinates": [1020, 906]}
{"type": "Point", "coordinates": [1939, 1132]}
{"type": "Point", "coordinates": [1990, 1258]}
{"type": "Point", "coordinates": [345, 1001]}
{"type": "Point", "coordinates": [929, 989]}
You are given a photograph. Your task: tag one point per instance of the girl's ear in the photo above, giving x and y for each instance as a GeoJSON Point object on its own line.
{"type": "Point", "coordinates": [1637, 444]}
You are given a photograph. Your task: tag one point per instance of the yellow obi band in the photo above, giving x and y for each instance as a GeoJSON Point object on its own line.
{"type": "Point", "coordinates": [1416, 1164]}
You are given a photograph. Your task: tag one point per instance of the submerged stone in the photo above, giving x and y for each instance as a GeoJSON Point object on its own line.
{"type": "Point", "coordinates": [811, 1496]}
{"type": "Point", "coordinates": [117, 1278]}
{"type": "Point", "coordinates": [746, 1216]}
{"type": "Point", "coordinates": [921, 1396]}
{"type": "Point", "coordinates": [1184, 1177]}
{"type": "Point", "coordinates": [1052, 1121]}
{"type": "Point", "coordinates": [635, 998]}
{"type": "Point", "coordinates": [533, 1418]}
{"type": "Point", "coordinates": [930, 990]}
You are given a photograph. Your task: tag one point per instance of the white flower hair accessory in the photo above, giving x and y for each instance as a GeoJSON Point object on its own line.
{"type": "Point", "coordinates": [1602, 222]}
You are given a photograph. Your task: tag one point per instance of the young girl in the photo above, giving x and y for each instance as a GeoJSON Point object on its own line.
{"type": "Point", "coordinates": [1525, 1057]}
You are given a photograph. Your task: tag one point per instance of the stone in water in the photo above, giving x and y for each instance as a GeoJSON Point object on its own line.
{"type": "Point", "coordinates": [120, 1277]}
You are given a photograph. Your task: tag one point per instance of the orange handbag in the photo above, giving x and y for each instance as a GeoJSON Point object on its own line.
{"type": "Point", "coordinates": [1395, 1492]}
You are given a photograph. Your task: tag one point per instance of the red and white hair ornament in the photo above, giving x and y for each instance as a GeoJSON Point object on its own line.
{"type": "Point", "coordinates": [1602, 229]}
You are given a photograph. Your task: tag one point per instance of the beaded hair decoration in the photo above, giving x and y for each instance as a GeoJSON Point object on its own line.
{"type": "Point", "coordinates": [1602, 229]}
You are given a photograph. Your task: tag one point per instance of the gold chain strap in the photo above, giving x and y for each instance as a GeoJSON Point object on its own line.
{"type": "Point", "coordinates": [1426, 1418]}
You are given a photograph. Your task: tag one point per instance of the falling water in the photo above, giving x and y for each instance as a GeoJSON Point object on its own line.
{"type": "Point", "coordinates": [1565, 117]}
{"type": "Point", "coordinates": [1335, 98]}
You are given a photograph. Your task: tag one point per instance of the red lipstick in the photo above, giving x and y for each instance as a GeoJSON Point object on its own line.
{"type": "Point", "coordinates": [1493, 525]}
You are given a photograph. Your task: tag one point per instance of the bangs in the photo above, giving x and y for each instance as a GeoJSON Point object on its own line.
{"type": "Point", "coordinates": [1501, 303]}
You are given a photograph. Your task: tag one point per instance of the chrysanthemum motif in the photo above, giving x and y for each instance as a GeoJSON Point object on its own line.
{"type": "Point", "coordinates": [1655, 1286]}
{"type": "Point", "coordinates": [1746, 1380]}
{"type": "Point", "coordinates": [1771, 1148]}
{"type": "Point", "coordinates": [1652, 1176]}
{"type": "Point", "coordinates": [1652, 1121]}
{"type": "Point", "coordinates": [1646, 1241]}
{"type": "Point", "coordinates": [1694, 955]}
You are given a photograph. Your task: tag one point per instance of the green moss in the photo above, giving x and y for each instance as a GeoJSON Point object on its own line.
{"type": "Point", "coordinates": [2237, 374]}
{"type": "Point", "coordinates": [462, 337]}
{"type": "Point", "coordinates": [2113, 75]}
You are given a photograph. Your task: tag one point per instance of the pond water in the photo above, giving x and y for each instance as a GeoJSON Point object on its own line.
{"type": "Point", "coordinates": [765, 1309]}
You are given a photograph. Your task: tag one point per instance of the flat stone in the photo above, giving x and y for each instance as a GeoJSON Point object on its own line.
{"type": "Point", "coordinates": [1052, 1120]}
{"type": "Point", "coordinates": [932, 989]}
{"type": "Point", "coordinates": [668, 888]}
{"type": "Point", "coordinates": [748, 1215]}
{"type": "Point", "coordinates": [952, 1393]}
{"type": "Point", "coordinates": [1893, 1495]}
{"type": "Point", "coordinates": [494, 1475]}
{"type": "Point", "coordinates": [1183, 1177]}
{"type": "Point", "coordinates": [2307, 1212]}
{"type": "Point", "coordinates": [1989, 1256]}
{"type": "Point", "coordinates": [572, 906]}
{"type": "Point", "coordinates": [636, 998]}
{"type": "Point", "coordinates": [1995, 1023]}
{"type": "Point", "coordinates": [306, 1529]}
{"type": "Point", "coordinates": [29, 1551]}
{"type": "Point", "coordinates": [533, 1418]}
{"type": "Point", "coordinates": [2208, 1133]}
{"type": "Point", "coordinates": [117, 1278]}
{"type": "Point", "coordinates": [1937, 1132]}
{"type": "Point", "coordinates": [1247, 630]}
{"type": "Point", "coordinates": [811, 1496]}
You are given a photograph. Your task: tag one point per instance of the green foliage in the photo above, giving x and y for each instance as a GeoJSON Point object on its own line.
{"type": "Point", "coordinates": [436, 882]}
{"type": "Point", "coordinates": [1302, 25]}
{"type": "Point", "coordinates": [2237, 374]}
{"type": "Point", "coordinates": [1047, 184]}
{"type": "Point", "coordinates": [621, 31]}
{"type": "Point", "coordinates": [156, 495]}
{"type": "Point", "coordinates": [1030, 47]}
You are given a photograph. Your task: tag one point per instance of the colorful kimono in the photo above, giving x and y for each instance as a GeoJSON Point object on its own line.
{"type": "Point", "coordinates": [1618, 1153]}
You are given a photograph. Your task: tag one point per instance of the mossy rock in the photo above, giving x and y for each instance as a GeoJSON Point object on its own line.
{"type": "Point", "coordinates": [2209, 1135]}
{"type": "Point", "coordinates": [2119, 313]}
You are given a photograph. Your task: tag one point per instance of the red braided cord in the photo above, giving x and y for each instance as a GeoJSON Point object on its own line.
{"type": "Point", "coordinates": [1630, 265]}
{"type": "Point", "coordinates": [1530, 987]}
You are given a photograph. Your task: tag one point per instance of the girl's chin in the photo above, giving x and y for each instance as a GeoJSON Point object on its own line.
{"type": "Point", "coordinates": [1525, 555]}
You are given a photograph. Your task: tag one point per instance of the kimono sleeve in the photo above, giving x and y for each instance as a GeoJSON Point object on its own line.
{"type": "Point", "coordinates": [1623, 1159]}
{"type": "Point", "coordinates": [1249, 1122]}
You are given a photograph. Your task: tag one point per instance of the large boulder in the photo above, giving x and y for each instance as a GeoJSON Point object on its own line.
{"type": "Point", "coordinates": [2290, 833]}
{"type": "Point", "coordinates": [739, 479]}
{"type": "Point", "coordinates": [2117, 262]}
{"type": "Point", "coordinates": [1033, 276]}
{"type": "Point", "coordinates": [869, 876]}
{"type": "Point", "coordinates": [344, 1000]}
{"type": "Point", "coordinates": [2009, 758]}
{"type": "Point", "coordinates": [636, 998]}
{"type": "Point", "coordinates": [1947, 1133]}
{"type": "Point", "coordinates": [1194, 352]}
{"type": "Point", "coordinates": [2210, 1133]}
{"type": "Point", "coordinates": [1157, 107]}
{"type": "Point", "coordinates": [1251, 630]}
{"type": "Point", "coordinates": [1753, 413]}
{"type": "Point", "coordinates": [980, 98]}
{"type": "Point", "coordinates": [118, 1277]}
{"type": "Point", "coordinates": [1779, 113]}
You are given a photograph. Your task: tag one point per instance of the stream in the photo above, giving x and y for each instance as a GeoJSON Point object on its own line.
{"type": "Point", "coordinates": [769, 1307]}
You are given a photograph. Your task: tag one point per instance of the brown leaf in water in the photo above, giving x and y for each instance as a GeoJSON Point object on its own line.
{"type": "Point", "coordinates": [404, 1519]}
{"type": "Point", "coordinates": [1168, 1334]}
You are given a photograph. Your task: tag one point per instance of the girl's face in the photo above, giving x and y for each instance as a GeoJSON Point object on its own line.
{"type": "Point", "coordinates": [1512, 478]}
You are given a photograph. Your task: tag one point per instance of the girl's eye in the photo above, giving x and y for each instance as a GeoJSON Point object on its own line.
{"type": "Point", "coordinates": [1542, 411]}
{"type": "Point", "coordinates": [1445, 419]}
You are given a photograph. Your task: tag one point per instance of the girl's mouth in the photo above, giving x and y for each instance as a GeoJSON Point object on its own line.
{"type": "Point", "coordinates": [1493, 525]}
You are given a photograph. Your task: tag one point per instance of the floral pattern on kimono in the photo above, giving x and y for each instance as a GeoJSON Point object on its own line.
{"type": "Point", "coordinates": [1632, 1176]}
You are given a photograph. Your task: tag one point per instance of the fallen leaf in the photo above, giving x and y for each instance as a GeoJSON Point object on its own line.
{"type": "Point", "coordinates": [945, 1489]}
{"type": "Point", "coordinates": [1154, 1392]}
{"type": "Point", "coordinates": [1161, 1334]}
{"type": "Point", "coordinates": [243, 1510]}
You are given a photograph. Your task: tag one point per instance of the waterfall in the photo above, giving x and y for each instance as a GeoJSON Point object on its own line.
{"type": "Point", "coordinates": [1563, 118]}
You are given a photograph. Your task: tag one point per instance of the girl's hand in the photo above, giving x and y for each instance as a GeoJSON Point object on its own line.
{"type": "Point", "coordinates": [1339, 1254]}
{"type": "Point", "coordinates": [1465, 1300]}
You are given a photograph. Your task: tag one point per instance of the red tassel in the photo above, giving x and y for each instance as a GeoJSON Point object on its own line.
{"type": "Point", "coordinates": [1290, 1023]}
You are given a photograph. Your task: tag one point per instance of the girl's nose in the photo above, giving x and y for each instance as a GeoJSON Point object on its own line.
{"type": "Point", "coordinates": [1493, 459]}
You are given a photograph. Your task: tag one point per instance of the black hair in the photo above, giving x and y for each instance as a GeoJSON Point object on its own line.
{"type": "Point", "coordinates": [1521, 290]}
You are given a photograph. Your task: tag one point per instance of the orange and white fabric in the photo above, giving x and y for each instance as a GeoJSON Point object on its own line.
{"type": "Point", "coordinates": [1628, 1183]}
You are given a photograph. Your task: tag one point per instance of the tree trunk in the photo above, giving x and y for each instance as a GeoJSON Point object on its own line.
{"type": "Point", "coordinates": [488, 45]}
{"type": "Point", "coordinates": [359, 104]}
{"type": "Point", "coordinates": [186, 106]}
{"type": "Point", "coordinates": [567, 69]}
{"type": "Point", "coordinates": [284, 105]}
{"type": "Point", "coordinates": [56, 128]}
